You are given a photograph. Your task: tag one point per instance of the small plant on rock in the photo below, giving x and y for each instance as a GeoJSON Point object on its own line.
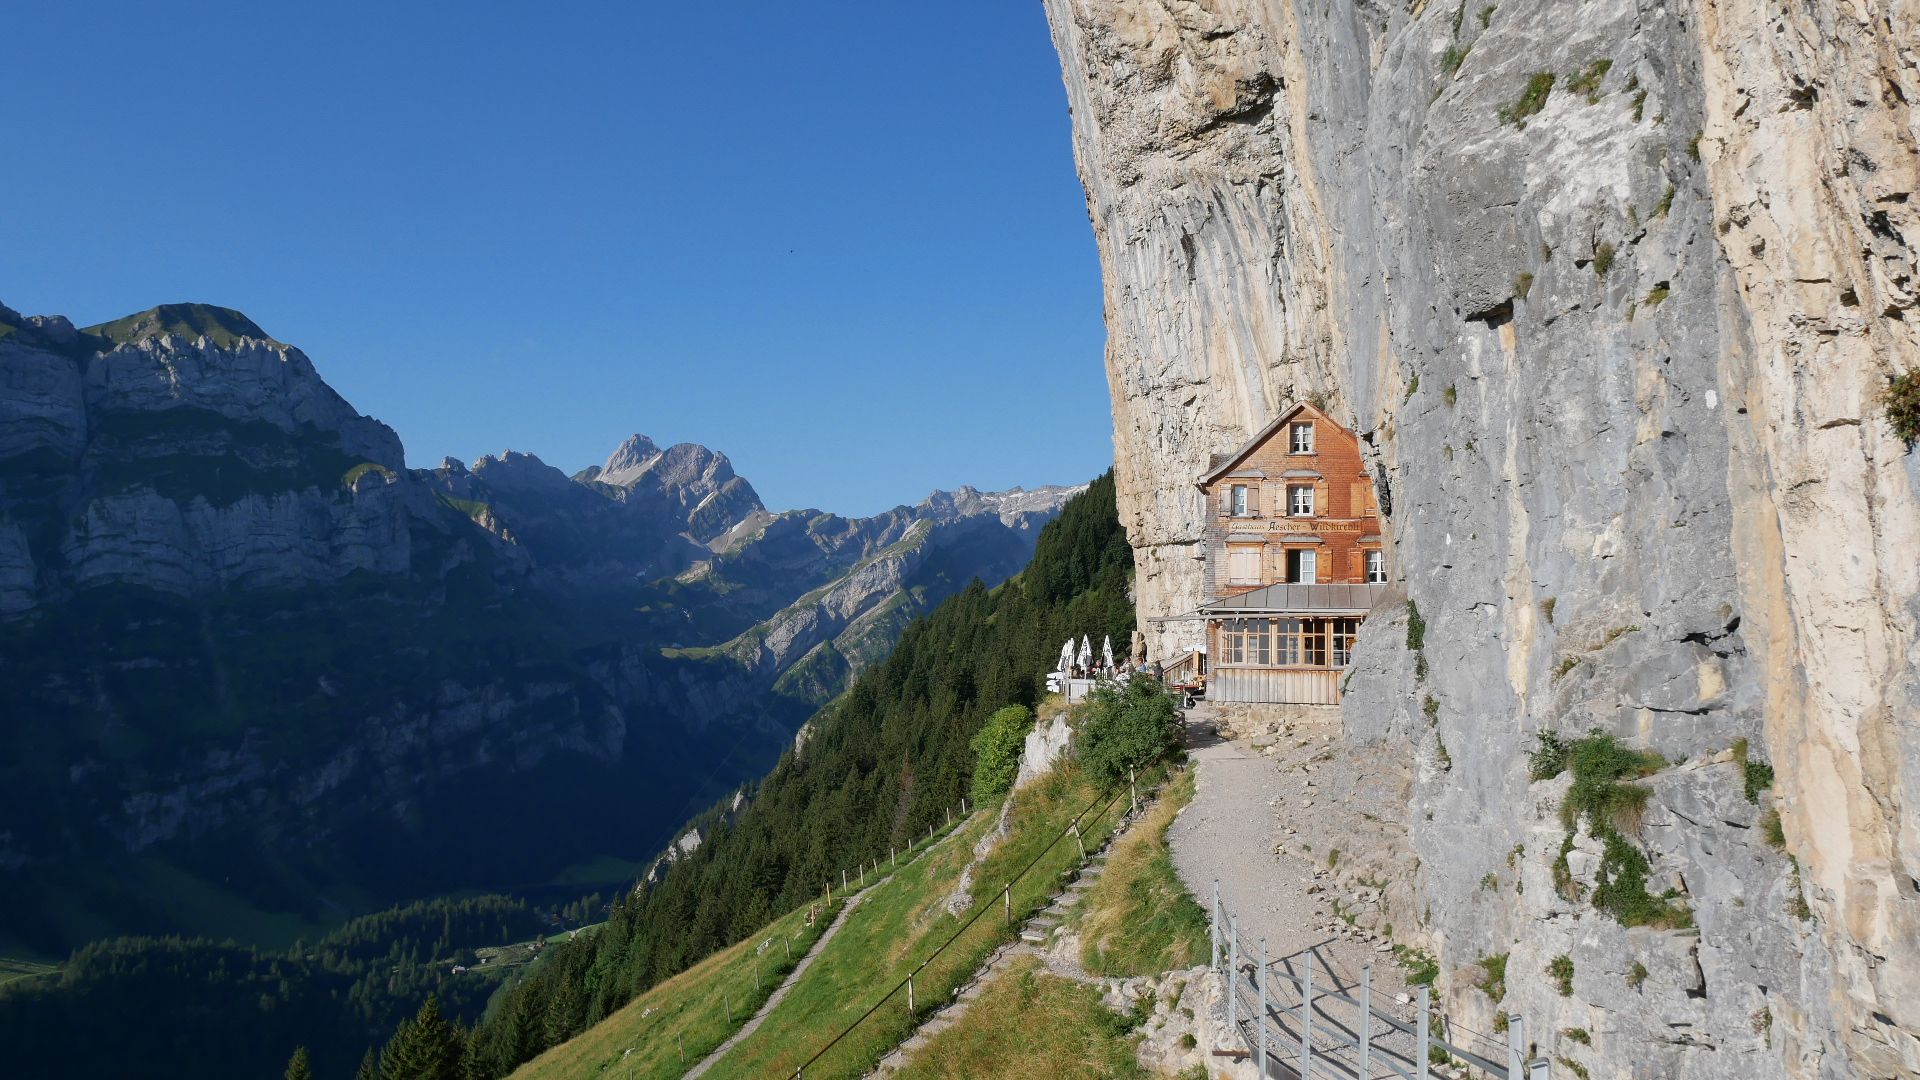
{"type": "Point", "coordinates": [1522, 284]}
{"type": "Point", "coordinates": [1531, 100]}
{"type": "Point", "coordinates": [1493, 976]}
{"type": "Point", "coordinates": [1561, 970]}
{"type": "Point", "coordinates": [1588, 81]}
{"type": "Point", "coordinates": [1636, 975]}
{"type": "Point", "coordinates": [1901, 401]}
{"type": "Point", "coordinates": [1602, 259]}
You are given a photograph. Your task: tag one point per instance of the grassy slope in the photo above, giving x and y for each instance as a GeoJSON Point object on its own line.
{"type": "Point", "coordinates": [1028, 1023]}
{"type": "Point", "coordinates": [1139, 919]}
{"type": "Point", "coordinates": [688, 1011]}
{"type": "Point", "coordinates": [903, 923]}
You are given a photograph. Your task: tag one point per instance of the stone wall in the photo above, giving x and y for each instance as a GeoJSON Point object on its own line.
{"type": "Point", "coordinates": [1614, 350]}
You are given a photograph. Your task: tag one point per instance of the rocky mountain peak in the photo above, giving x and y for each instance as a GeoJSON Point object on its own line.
{"type": "Point", "coordinates": [223, 326]}
{"type": "Point", "coordinates": [635, 453]}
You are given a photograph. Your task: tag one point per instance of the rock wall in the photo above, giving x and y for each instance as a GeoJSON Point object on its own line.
{"type": "Point", "coordinates": [1613, 343]}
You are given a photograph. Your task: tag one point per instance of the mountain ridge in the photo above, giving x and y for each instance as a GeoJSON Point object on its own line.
{"type": "Point", "coordinates": [298, 644]}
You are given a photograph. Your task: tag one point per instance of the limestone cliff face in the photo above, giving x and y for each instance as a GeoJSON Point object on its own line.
{"type": "Point", "coordinates": [1615, 347]}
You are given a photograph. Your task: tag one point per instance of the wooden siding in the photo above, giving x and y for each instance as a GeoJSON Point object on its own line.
{"type": "Point", "coordinates": [1287, 686]}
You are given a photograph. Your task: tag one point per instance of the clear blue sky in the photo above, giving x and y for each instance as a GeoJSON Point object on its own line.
{"type": "Point", "coordinates": [842, 242]}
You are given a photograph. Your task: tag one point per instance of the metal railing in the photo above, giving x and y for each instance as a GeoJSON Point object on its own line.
{"type": "Point", "coordinates": [1076, 828]}
{"type": "Point", "coordinates": [1306, 1026]}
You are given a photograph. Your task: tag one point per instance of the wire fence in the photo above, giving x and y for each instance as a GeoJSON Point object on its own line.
{"type": "Point", "coordinates": [1300, 1019]}
{"type": "Point", "coordinates": [1011, 912]}
{"type": "Point", "coordinates": [775, 957]}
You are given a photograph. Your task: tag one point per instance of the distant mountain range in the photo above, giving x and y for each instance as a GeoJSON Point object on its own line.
{"type": "Point", "coordinates": [259, 674]}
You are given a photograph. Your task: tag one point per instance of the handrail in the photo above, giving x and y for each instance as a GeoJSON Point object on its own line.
{"type": "Point", "coordinates": [1227, 940]}
{"type": "Point", "coordinates": [1110, 797]}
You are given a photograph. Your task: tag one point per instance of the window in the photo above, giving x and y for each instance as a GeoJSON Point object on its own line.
{"type": "Point", "coordinates": [1303, 566]}
{"type": "Point", "coordinates": [1286, 642]}
{"type": "Point", "coordinates": [1246, 641]}
{"type": "Point", "coordinates": [1302, 435]}
{"type": "Point", "coordinates": [1344, 633]}
{"type": "Point", "coordinates": [1376, 567]}
{"type": "Point", "coordinates": [1243, 566]}
{"type": "Point", "coordinates": [1300, 501]}
{"type": "Point", "coordinates": [1238, 501]}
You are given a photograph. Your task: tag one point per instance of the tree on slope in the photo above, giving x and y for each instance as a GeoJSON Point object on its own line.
{"type": "Point", "coordinates": [297, 1066]}
{"type": "Point", "coordinates": [427, 1047]}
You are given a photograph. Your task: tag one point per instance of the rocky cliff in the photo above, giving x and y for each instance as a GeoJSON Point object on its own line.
{"type": "Point", "coordinates": [249, 653]}
{"type": "Point", "coordinates": [1610, 291]}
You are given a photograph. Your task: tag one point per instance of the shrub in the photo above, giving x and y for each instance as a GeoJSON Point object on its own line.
{"type": "Point", "coordinates": [1637, 975]}
{"type": "Point", "coordinates": [1522, 284]}
{"type": "Point", "coordinates": [1901, 400]}
{"type": "Point", "coordinates": [1486, 16]}
{"type": "Point", "coordinates": [1547, 606]}
{"type": "Point", "coordinates": [1602, 259]}
{"type": "Point", "coordinates": [1755, 776]}
{"type": "Point", "coordinates": [1658, 293]}
{"type": "Point", "coordinates": [1451, 59]}
{"type": "Point", "coordinates": [1416, 627]}
{"type": "Point", "coordinates": [1578, 1035]}
{"type": "Point", "coordinates": [1561, 969]}
{"type": "Point", "coordinates": [1549, 757]}
{"type": "Point", "coordinates": [997, 747]}
{"type": "Point", "coordinates": [1601, 764]}
{"type": "Point", "coordinates": [1451, 395]}
{"type": "Point", "coordinates": [1531, 100]}
{"type": "Point", "coordinates": [1431, 707]}
{"type": "Point", "coordinates": [1125, 727]}
{"type": "Point", "coordinates": [1666, 203]}
{"type": "Point", "coordinates": [1493, 978]}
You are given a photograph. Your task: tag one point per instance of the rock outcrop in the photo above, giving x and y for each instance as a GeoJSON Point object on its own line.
{"type": "Point", "coordinates": [1610, 292]}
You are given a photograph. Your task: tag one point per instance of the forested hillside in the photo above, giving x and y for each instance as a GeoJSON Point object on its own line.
{"type": "Point", "coordinates": [193, 1008]}
{"type": "Point", "coordinates": [875, 769]}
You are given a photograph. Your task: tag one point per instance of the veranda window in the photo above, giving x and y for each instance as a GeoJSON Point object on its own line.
{"type": "Point", "coordinates": [1345, 632]}
{"type": "Point", "coordinates": [1376, 567]}
{"type": "Point", "coordinates": [1246, 641]}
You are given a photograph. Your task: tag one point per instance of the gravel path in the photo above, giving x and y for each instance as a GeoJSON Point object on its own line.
{"type": "Point", "coordinates": [1245, 829]}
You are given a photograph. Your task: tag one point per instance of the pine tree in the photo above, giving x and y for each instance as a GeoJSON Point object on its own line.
{"type": "Point", "coordinates": [369, 1068]}
{"type": "Point", "coordinates": [297, 1066]}
{"type": "Point", "coordinates": [427, 1047]}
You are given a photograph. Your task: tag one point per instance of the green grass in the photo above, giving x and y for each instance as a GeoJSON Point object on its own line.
{"type": "Point", "coordinates": [1139, 919]}
{"type": "Point", "coordinates": [1494, 976]}
{"type": "Point", "coordinates": [14, 969]}
{"type": "Point", "coordinates": [688, 1013]}
{"type": "Point", "coordinates": [1532, 99]}
{"type": "Point", "coordinates": [1561, 971]}
{"type": "Point", "coordinates": [223, 325]}
{"type": "Point", "coordinates": [1602, 260]}
{"type": "Point", "coordinates": [901, 925]}
{"type": "Point", "coordinates": [1588, 81]}
{"type": "Point", "coordinates": [1027, 1023]}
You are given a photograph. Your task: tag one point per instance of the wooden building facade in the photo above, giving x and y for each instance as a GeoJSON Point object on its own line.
{"type": "Point", "coordinates": [1294, 561]}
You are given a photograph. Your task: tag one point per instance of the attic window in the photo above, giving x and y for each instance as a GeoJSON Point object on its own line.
{"type": "Point", "coordinates": [1301, 438]}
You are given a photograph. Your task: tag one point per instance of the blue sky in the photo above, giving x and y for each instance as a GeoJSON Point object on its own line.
{"type": "Point", "coordinates": [844, 243]}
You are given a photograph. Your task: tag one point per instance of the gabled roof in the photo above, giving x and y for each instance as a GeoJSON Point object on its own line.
{"type": "Point", "coordinates": [1222, 464]}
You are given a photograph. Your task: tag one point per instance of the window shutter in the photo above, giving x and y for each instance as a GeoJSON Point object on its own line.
{"type": "Point", "coordinates": [1320, 506]}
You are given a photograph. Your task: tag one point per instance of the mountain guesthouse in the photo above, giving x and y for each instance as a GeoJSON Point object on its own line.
{"type": "Point", "coordinates": [1294, 561]}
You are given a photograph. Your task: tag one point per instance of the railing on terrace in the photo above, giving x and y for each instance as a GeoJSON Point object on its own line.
{"type": "Point", "coordinates": [1300, 1020]}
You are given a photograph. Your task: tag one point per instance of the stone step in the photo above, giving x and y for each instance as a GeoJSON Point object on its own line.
{"type": "Point", "coordinates": [1034, 937]}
